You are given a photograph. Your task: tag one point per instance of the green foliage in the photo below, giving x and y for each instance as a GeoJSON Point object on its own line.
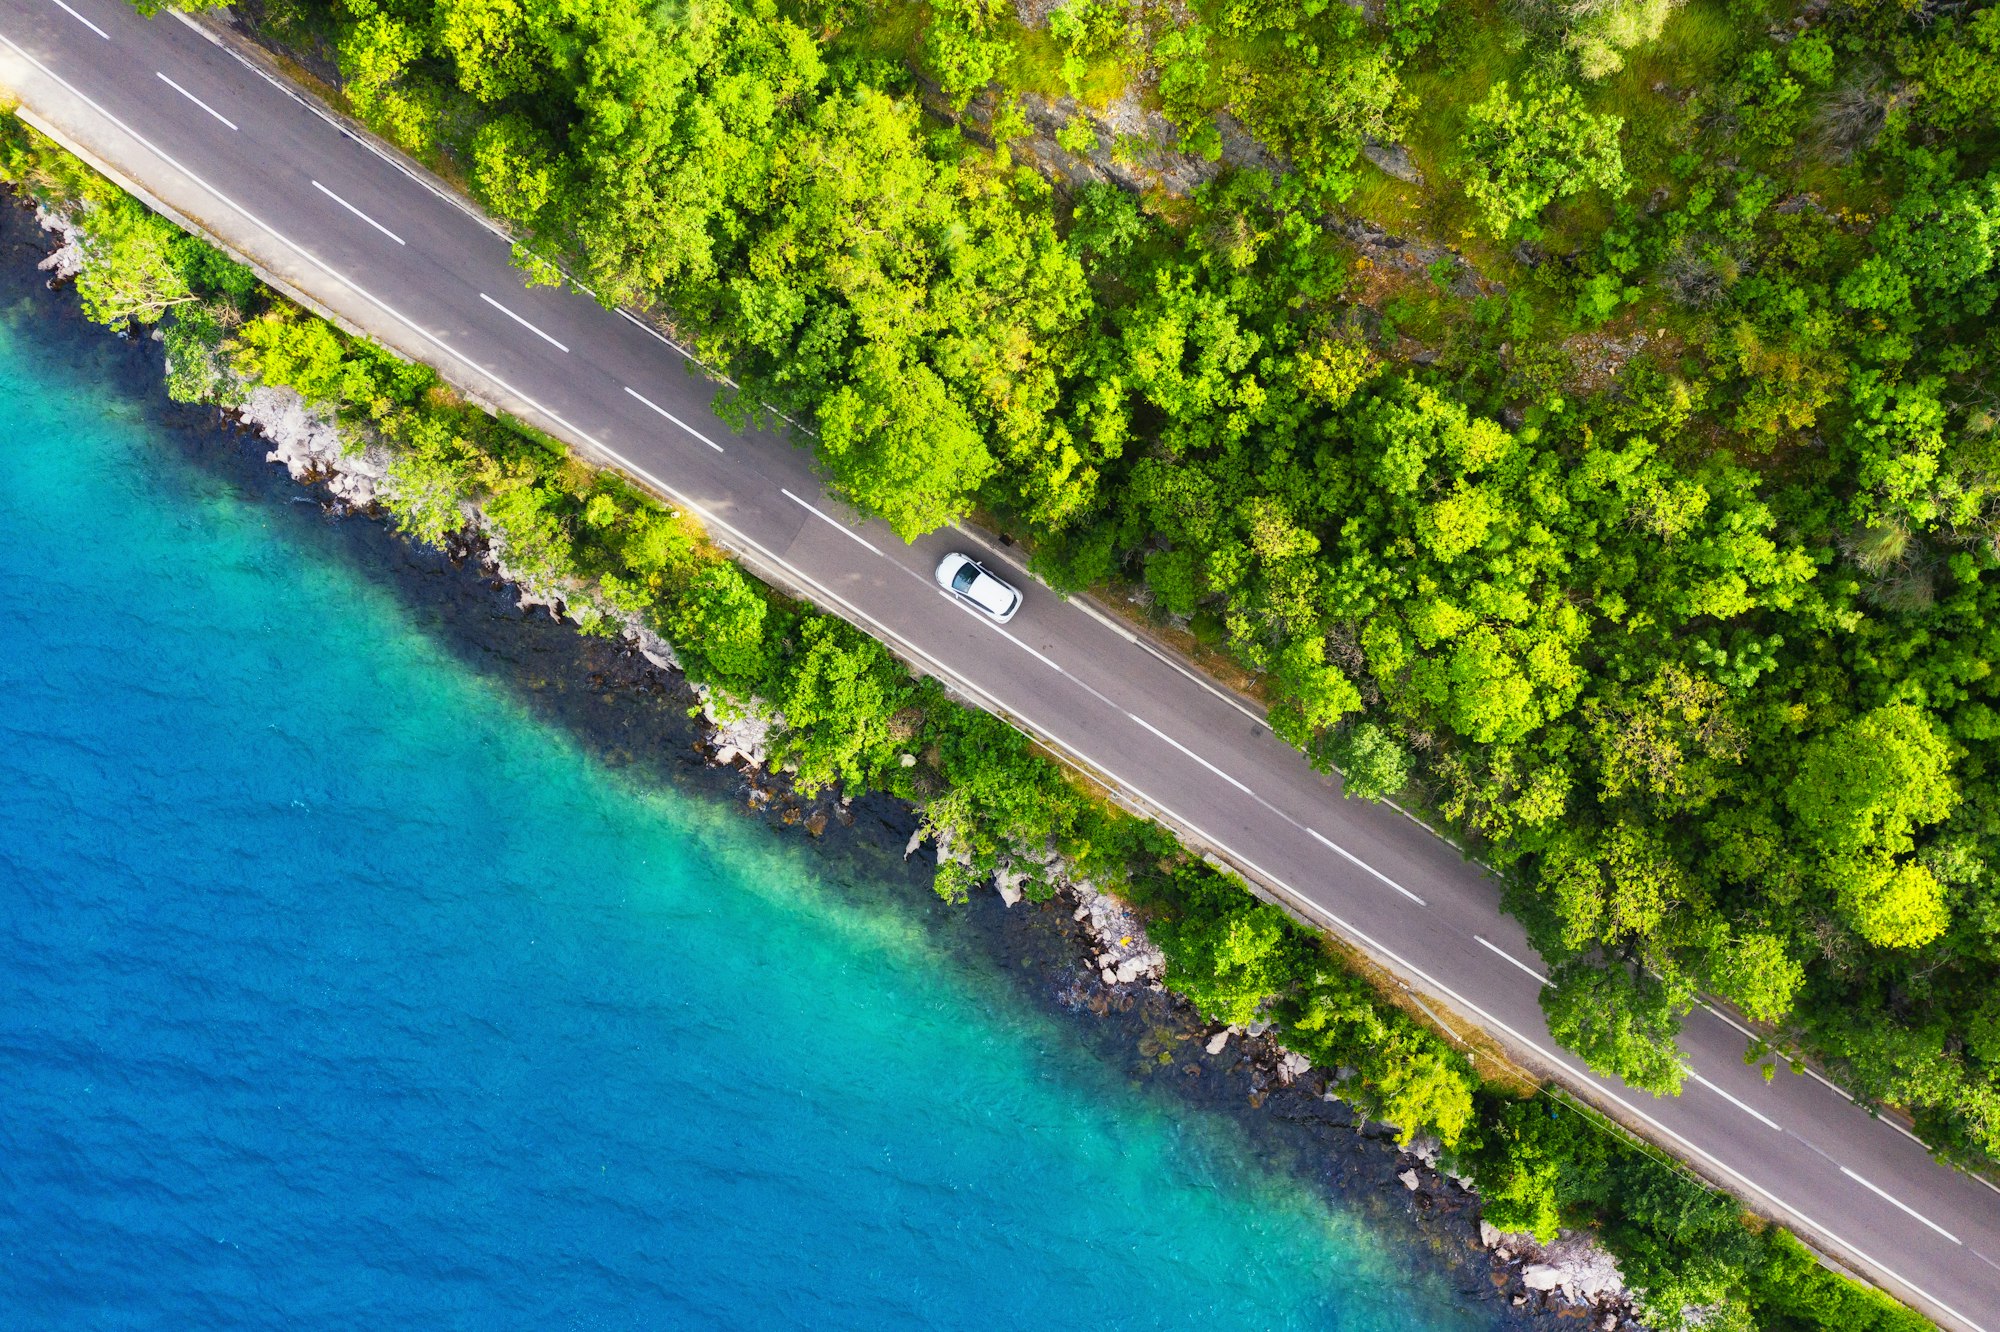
{"type": "Point", "coordinates": [1519, 156]}
{"type": "Point", "coordinates": [961, 47]}
{"type": "Point", "coordinates": [838, 693]}
{"type": "Point", "coordinates": [1079, 136]}
{"type": "Point", "coordinates": [430, 479]}
{"type": "Point", "coordinates": [898, 444]}
{"type": "Point", "coordinates": [1086, 30]}
{"type": "Point", "coordinates": [1602, 31]}
{"type": "Point", "coordinates": [1227, 953]}
{"type": "Point", "coordinates": [295, 351]}
{"type": "Point", "coordinates": [197, 366]}
{"type": "Point", "coordinates": [1620, 1020]}
{"type": "Point", "coordinates": [532, 534]}
{"type": "Point", "coordinates": [720, 621]}
{"type": "Point", "coordinates": [1532, 1167]}
{"type": "Point", "coordinates": [129, 272]}
{"type": "Point", "coordinates": [1372, 763]}
{"type": "Point", "coordinates": [511, 168]}
{"type": "Point", "coordinates": [1957, 68]}
{"type": "Point", "coordinates": [1402, 1073]}
{"type": "Point", "coordinates": [1792, 1286]}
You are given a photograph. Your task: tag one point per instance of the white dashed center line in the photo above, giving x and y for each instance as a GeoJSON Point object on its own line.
{"type": "Point", "coordinates": [1511, 960]}
{"type": "Point", "coordinates": [530, 327]}
{"type": "Point", "coordinates": [81, 19]}
{"type": "Point", "coordinates": [1353, 859]}
{"type": "Point", "coordinates": [1765, 1120]}
{"type": "Point", "coordinates": [1900, 1206]}
{"type": "Point", "coordinates": [1002, 632]}
{"type": "Point", "coordinates": [826, 518]}
{"type": "Point", "coordinates": [1191, 754]}
{"type": "Point", "coordinates": [358, 213]}
{"type": "Point", "coordinates": [196, 100]}
{"type": "Point", "coordinates": [642, 398]}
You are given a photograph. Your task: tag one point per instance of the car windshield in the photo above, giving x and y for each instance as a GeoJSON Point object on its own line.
{"type": "Point", "coordinates": [965, 577]}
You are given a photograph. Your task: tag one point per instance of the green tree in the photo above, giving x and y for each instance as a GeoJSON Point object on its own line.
{"type": "Point", "coordinates": [721, 620]}
{"type": "Point", "coordinates": [1372, 763]}
{"type": "Point", "coordinates": [198, 369]}
{"type": "Point", "coordinates": [511, 168]}
{"type": "Point", "coordinates": [1228, 963]}
{"type": "Point", "coordinates": [129, 273]}
{"type": "Point", "coordinates": [1519, 156]}
{"type": "Point", "coordinates": [1621, 1021]}
{"type": "Point", "coordinates": [897, 443]}
{"type": "Point", "coordinates": [838, 692]}
{"type": "Point", "coordinates": [1873, 781]}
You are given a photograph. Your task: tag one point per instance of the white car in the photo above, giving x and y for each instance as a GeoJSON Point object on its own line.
{"type": "Point", "coordinates": [968, 580]}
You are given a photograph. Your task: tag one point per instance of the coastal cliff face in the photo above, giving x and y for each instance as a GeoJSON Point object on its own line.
{"type": "Point", "coordinates": [1113, 968]}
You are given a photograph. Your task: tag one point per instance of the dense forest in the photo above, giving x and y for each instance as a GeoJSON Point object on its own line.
{"type": "Point", "coordinates": [1578, 417]}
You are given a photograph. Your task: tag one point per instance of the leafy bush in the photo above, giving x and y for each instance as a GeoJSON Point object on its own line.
{"type": "Point", "coordinates": [1519, 156]}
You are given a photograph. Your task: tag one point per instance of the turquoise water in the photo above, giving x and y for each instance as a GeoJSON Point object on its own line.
{"type": "Point", "coordinates": [340, 988]}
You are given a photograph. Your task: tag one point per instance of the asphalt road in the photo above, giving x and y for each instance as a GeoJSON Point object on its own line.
{"type": "Point", "coordinates": [214, 140]}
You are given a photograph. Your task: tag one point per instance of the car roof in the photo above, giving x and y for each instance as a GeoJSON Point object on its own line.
{"type": "Point", "coordinates": [991, 593]}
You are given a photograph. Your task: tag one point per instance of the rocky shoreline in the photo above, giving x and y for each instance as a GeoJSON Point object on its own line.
{"type": "Point", "coordinates": [1080, 952]}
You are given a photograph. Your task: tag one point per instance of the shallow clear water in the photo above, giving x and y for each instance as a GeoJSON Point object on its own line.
{"type": "Point", "coordinates": [338, 988]}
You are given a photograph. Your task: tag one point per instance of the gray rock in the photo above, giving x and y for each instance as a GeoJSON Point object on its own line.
{"type": "Point", "coordinates": [1217, 1041]}
{"type": "Point", "coordinates": [1392, 159]}
{"type": "Point", "coordinates": [1409, 1178]}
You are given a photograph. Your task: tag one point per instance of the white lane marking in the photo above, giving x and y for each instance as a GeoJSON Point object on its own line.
{"type": "Point", "coordinates": [388, 159]}
{"type": "Point", "coordinates": [658, 336]}
{"type": "Point", "coordinates": [358, 213]}
{"type": "Point", "coordinates": [1103, 619]}
{"type": "Point", "coordinates": [1343, 852]}
{"type": "Point", "coordinates": [1901, 1206]}
{"type": "Point", "coordinates": [829, 520]}
{"type": "Point", "coordinates": [80, 19]}
{"type": "Point", "coordinates": [530, 327]}
{"type": "Point", "coordinates": [675, 419]}
{"type": "Point", "coordinates": [983, 619]}
{"type": "Point", "coordinates": [1508, 957]}
{"type": "Point", "coordinates": [196, 100]}
{"type": "Point", "coordinates": [1884, 1119]}
{"type": "Point", "coordinates": [1080, 604]}
{"type": "Point", "coordinates": [1191, 754]}
{"type": "Point", "coordinates": [1764, 1119]}
{"type": "Point", "coordinates": [1198, 680]}
{"type": "Point", "coordinates": [1717, 1013]}
{"type": "Point", "coordinates": [1307, 904]}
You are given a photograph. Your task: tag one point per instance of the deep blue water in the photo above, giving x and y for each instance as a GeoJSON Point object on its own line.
{"type": "Point", "coordinates": [341, 988]}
